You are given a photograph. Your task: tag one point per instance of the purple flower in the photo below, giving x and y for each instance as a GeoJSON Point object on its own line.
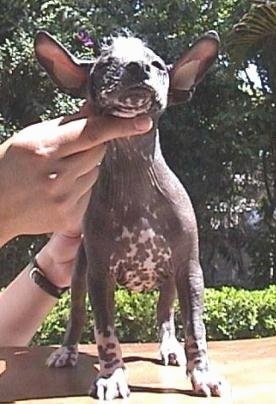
{"type": "Point", "coordinates": [85, 39]}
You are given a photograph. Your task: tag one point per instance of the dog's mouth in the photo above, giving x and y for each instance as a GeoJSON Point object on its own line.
{"type": "Point", "coordinates": [133, 101]}
{"type": "Point", "coordinates": [127, 102]}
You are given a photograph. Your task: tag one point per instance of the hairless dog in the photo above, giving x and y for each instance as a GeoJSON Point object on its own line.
{"type": "Point", "coordinates": [140, 229]}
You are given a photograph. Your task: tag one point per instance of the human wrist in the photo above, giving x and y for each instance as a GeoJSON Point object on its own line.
{"type": "Point", "coordinates": [56, 259]}
{"type": "Point", "coordinates": [37, 275]}
{"type": "Point", "coordinates": [52, 271]}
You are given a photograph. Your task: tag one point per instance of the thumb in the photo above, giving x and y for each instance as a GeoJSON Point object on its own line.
{"type": "Point", "coordinates": [108, 128]}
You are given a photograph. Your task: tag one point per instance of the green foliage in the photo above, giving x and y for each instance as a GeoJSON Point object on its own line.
{"type": "Point", "coordinates": [135, 319]}
{"type": "Point", "coordinates": [236, 313]}
{"type": "Point", "coordinates": [135, 316]}
{"type": "Point", "coordinates": [16, 255]}
{"type": "Point", "coordinates": [250, 42]}
{"type": "Point", "coordinates": [253, 30]}
{"type": "Point", "coordinates": [55, 324]}
{"type": "Point", "coordinates": [229, 314]}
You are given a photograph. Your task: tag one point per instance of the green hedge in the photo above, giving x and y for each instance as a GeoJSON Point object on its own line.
{"type": "Point", "coordinates": [229, 314]}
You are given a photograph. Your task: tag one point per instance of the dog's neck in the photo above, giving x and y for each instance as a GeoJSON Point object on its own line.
{"type": "Point", "coordinates": [126, 171]}
{"type": "Point", "coordinates": [128, 152]}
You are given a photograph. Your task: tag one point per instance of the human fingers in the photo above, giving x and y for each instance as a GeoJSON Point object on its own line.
{"type": "Point", "coordinates": [81, 163]}
{"type": "Point", "coordinates": [84, 183]}
{"type": "Point", "coordinates": [61, 172]}
{"type": "Point", "coordinates": [87, 133]}
{"type": "Point", "coordinates": [68, 198]}
{"type": "Point", "coordinates": [63, 136]}
{"type": "Point", "coordinates": [108, 128]}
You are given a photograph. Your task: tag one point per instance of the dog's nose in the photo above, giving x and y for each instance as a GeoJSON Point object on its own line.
{"type": "Point", "coordinates": [138, 71]}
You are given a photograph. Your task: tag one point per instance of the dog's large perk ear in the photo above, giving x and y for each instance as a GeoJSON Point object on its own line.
{"type": "Point", "coordinates": [191, 67]}
{"type": "Point", "coordinates": [69, 73]}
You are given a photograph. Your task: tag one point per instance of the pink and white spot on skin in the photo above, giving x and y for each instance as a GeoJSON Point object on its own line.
{"type": "Point", "coordinates": [144, 261]}
{"type": "Point", "coordinates": [110, 354]}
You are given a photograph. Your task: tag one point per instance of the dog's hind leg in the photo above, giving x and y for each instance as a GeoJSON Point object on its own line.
{"type": "Point", "coordinates": [67, 354]}
{"type": "Point", "coordinates": [171, 351]}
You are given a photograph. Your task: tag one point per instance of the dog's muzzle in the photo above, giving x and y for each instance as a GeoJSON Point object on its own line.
{"type": "Point", "coordinates": [123, 91]}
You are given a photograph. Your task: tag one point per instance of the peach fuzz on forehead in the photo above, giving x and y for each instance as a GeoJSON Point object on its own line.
{"type": "Point", "coordinates": [130, 48]}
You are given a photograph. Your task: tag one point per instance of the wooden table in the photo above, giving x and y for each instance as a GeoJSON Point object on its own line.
{"type": "Point", "coordinates": [248, 365]}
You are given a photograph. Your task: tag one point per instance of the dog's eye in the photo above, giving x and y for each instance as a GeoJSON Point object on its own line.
{"type": "Point", "coordinates": [158, 65]}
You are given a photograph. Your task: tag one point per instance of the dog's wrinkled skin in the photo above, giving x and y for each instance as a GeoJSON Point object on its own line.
{"type": "Point", "coordinates": [140, 229]}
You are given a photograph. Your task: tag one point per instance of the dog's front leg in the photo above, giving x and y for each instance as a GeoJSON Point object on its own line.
{"type": "Point", "coordinates": [111, 381]}
{"type": "Point", "coordinates": [190, 287]}
{"type": "Point", "coordinates": [67, 354]}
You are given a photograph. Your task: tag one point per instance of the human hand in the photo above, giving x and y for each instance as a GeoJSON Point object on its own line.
{"type": "Point", "coordinates": [47, 171]}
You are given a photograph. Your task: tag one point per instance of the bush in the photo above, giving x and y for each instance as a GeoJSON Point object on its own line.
{"type": "Point", "coordinates": [229, 314]}
{"type": "Point", "coordinates": [236, 313]}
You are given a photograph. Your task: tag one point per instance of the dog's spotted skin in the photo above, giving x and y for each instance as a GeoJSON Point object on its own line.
{"type": "Point", "coordinates": [111, 367]}
{"type": "Point", "coordinates": [140, 229]}
{"type": "Point", "coordinates": [143, 260]}
{"type": "Point", "coordinates": [110, 355]}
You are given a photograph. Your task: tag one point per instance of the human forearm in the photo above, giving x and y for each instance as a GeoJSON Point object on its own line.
{"type": "Point", "coordinates": [23, 307]}
{"type": "Point", "coordinates": [23, 304]}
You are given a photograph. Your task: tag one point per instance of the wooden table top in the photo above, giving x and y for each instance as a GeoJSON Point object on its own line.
{"type": "Point", "coordinates": [249, 366]}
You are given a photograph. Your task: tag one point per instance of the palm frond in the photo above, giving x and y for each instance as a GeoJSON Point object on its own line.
{"type": "Point", "coordinates": [254, 29]}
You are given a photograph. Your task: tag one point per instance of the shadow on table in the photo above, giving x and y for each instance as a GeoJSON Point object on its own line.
{"type": "Point", "coordinates": [24, 376]}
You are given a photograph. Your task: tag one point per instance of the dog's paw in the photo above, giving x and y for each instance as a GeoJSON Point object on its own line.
{"type": "Point", "coordinates": [172, 352]}
{"type": "Point", "coordinates": [63, 356]}
{"type": "Point", "coordinates": [108, 388]}
{"type": "Point", "coordinates": [207, 383]}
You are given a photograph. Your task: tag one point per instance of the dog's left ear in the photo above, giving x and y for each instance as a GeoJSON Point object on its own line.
{"type": "Point", "coordinates": [192, 66]}
{"type": "Point", "coordinates": [69, 73]}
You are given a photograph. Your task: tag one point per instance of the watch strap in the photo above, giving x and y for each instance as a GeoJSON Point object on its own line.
{"type": "Point", "coordinates": [37, 275]}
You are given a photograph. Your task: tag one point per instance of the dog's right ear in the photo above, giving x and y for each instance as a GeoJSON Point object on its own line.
{"type": "Point", "coordinates": [69, 73]}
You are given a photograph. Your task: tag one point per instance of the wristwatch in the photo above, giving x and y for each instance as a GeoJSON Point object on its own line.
{"type": "Point", "coordinates": [37, 275]}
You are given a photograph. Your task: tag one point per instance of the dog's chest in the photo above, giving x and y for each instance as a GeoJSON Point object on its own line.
{"type": "Point", "coordinates": [142, 258]}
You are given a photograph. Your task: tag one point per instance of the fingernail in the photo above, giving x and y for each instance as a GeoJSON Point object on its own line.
{"type": "Point", "coordinates": [143, 123]}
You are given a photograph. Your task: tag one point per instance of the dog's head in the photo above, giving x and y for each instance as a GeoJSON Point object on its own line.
{"type": "Point", "coordinates": [128, 78]}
